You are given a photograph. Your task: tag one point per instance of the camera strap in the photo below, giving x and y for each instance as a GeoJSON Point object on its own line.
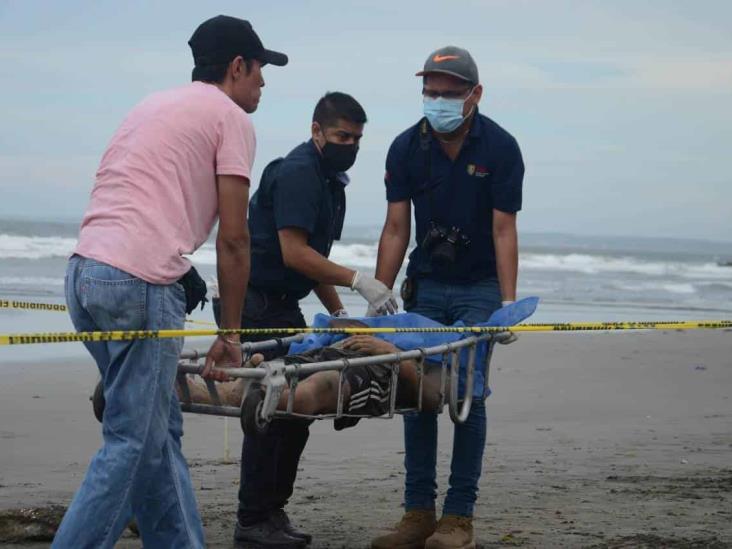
{"type": "Point", "coordinates": [425, 145]}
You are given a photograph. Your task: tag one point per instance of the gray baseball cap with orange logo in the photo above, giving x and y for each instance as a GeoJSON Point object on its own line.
{"type": "Point", "coordinates": [453, 61]}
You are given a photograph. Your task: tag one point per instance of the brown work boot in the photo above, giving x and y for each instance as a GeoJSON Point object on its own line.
{"type": "Point", "coordinates": [415, 527]}
{"type": "Point", "coordinates": [452, 532]}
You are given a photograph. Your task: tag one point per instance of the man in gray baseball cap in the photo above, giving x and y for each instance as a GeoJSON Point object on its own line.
{"type": "Point", "coordinates": [463, 173]}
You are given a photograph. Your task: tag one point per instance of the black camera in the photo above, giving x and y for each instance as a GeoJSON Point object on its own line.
{"type": "Point", "coordinates": [443, 245]}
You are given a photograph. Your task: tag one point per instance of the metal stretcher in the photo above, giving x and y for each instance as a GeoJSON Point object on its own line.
{"type": "Point", "coordinates": [258, 408]}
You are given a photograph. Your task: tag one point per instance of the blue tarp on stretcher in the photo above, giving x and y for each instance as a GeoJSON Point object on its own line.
{"type": "Point", "coordinates": [505, 316]}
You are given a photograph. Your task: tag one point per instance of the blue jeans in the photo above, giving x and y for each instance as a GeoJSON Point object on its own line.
{"type": "Point", "coordinates": [140, 470]}
{"type": "Point", "coordinates": [447, 303]}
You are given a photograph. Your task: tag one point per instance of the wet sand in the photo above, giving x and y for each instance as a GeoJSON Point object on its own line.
{"type": "Point", "coordinates": [595, 440]}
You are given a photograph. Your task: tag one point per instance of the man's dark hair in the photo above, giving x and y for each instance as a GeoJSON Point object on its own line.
{"type": "Point", "coordinates": [215, 74]}
{"type": "Point", "coordinates": [334, 106]}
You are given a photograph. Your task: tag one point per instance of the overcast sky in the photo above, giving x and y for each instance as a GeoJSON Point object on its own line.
{"type": "Point", "coordinates": [623, 110]}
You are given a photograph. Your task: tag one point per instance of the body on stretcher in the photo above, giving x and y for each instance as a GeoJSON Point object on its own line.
{"type": "Point", "coordinates": [266, 383]}
{"type": "Point", "coordinates": [444, 369]}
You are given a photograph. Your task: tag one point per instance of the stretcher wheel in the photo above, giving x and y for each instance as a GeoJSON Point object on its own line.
{"type": "Point", "coordinates": [98, 402]}
{"type": "Point", "coordinates": [251, 412]}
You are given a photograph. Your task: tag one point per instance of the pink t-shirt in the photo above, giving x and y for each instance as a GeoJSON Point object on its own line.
{"type": "Point", "coordinates": [155, 195]}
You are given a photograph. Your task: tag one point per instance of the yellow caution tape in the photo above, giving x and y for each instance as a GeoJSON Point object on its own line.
{"type": "Point", "coordinates": [631, 325]}
{"type": "Point", "coordinates": [61, 308]}
{"type": "Point", "coordinates": [63, 337]}
{"type": "Point", "coordinates": [31, 305]}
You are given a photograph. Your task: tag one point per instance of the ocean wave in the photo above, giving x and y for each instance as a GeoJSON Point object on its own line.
{"type": "Point", "coordinates": [35, 247]}
{"type": "Point", "coordinates": [352, 255]}
{"type": "Point", "coordinates": [355, 255]}
{"type": "Point", "coordinates": [598, 264]}
{"type": "Point", "coordinates": [43, 281]}
{"type": "Point", "coordinates": [364, 256]}
{"type": "Point", "coordinates": [683, 288]}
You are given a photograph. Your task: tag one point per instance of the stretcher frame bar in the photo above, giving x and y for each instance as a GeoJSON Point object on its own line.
{"type": "Point", "coordinates": [249, 347]}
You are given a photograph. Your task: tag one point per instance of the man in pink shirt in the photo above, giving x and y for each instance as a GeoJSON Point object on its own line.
{"type": "Point", "coordinates": [181, 159]}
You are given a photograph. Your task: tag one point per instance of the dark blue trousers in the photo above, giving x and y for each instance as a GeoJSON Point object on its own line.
{"type": "Point", "coordinates": [269, 462]}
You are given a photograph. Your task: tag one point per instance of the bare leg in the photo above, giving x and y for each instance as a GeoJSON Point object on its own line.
{"type": "Point", "coordinates": [431, 389]}
{"type": "Point", "coordinates": [409, 385]}
{"type": "Point", "coordinates": [317, 394]}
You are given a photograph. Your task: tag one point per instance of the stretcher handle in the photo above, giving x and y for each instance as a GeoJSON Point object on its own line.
{"type": "Point", "coordinates": [462, 415]}
{"type": "Point", "coordinates": [249, 346]}
{"type": "Point", "coordinates": [246, 373]}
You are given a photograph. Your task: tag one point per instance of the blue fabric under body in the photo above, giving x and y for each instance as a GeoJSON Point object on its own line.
{"type": "Point", "coordinates": [509, 315]}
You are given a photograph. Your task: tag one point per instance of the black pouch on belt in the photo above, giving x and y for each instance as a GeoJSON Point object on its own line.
{"type": "Point", "coordinates": [407, 291]}
{"type": "Point", "coordinates": [195, 288]}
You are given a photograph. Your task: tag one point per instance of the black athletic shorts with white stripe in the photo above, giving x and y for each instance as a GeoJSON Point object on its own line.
{"type": "Point", "coordinates": [370, 390]}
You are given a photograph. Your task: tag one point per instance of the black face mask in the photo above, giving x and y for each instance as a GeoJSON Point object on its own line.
{"type": "Point", "coordinates": [339, 157]}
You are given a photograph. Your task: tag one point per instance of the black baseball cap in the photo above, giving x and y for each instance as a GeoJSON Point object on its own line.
{"type": "Point", "coordinates": [222, 38]}
{"type": "Point", "coordinates": [453, 61]}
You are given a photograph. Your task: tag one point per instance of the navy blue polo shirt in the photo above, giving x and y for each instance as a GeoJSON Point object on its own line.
{"type": "Point", "coordinates": [488, 173]}
{"type": "Point", "coordinates": [295, 191]}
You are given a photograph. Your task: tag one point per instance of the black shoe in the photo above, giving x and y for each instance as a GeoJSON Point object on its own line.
{"type": "Point", "coordinates": [280, 519]}
{"type": "Point", "coordinates": [341, 423]}
{"type": "Point", "coordinates": [264, 535]}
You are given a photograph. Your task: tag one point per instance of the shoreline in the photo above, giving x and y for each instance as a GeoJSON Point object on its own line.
{"type": "Point", "coordinates": [592, 442]}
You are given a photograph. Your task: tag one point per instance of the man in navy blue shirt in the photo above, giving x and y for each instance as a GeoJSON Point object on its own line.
{"type": "Point", "coordinates": [294, 217]}
{"type": "Point", "coordinates": [463, 173]}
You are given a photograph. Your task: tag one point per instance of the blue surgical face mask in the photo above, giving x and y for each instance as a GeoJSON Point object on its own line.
{"type": "Point", "coordinates": [445, 115]}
